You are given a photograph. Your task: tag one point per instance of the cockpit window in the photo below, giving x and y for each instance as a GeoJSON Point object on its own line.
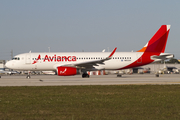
{"type": "Point", "coordinates": [16, 58]}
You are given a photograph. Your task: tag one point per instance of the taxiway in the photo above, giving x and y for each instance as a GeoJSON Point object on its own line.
{"type": "Point", "coordinates": [53, 80]}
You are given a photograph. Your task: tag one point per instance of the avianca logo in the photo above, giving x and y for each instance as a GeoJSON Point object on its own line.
{"type": "Point", "coordinates": [35, 61]}
{"type": "Point", "coordinates": [62, 72]}
{"type": "Point", "coordinates": [55, 58]}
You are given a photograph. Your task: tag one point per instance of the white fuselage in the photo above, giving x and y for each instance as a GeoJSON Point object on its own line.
{"type": "Point", "coordinates": [50, 61]}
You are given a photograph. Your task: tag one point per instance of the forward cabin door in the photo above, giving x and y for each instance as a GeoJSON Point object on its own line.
{"type": "Point", "coordinates": [28, 58]}
{"type": "Point", "coordinates": [29, 61]}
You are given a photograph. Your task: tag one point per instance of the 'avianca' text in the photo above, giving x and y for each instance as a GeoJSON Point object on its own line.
{"type": "Point", "coordinates": [59, 58]}
{"type": "Point", "coordinates": [55, 58]}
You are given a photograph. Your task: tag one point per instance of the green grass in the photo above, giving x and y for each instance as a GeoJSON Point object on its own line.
{"type": "Point", "coordinates": [126, 102]}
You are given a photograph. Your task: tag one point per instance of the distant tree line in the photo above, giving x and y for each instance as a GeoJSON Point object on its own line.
{"type": "Point", "coordinates": [170, 61]}
{"type": "Point", "coordinates": [173, 60]}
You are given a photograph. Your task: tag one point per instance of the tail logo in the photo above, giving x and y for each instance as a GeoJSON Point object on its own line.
{"type": "Point", "coordinates": [154, 47]}
{"type": "Point", "coordinates": [157, 43]}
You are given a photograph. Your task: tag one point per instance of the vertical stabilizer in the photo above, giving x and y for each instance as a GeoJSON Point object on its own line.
{"type": "Point", "coordinates": [158, 42]}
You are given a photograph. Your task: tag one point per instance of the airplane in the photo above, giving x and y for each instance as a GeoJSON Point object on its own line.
{"type": "Point", "coordinates": [73, 63]}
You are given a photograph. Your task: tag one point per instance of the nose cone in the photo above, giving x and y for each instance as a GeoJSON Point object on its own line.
{"type": "Point", "coordinates": [8, 64]}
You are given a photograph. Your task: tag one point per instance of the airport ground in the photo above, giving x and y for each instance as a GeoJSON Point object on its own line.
{"type": "Point", "coordinates": [54, 80]}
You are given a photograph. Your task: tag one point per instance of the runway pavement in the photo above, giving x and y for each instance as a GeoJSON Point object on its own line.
{"type": "Point", "coordinates": [53, 80]}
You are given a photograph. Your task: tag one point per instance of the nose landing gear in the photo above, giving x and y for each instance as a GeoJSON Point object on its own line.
{"type": "Point", "coordinates": [28, 76]}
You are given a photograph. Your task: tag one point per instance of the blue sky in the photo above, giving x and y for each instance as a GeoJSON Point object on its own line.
{"type": "Point", "coordinates": [85, 25]}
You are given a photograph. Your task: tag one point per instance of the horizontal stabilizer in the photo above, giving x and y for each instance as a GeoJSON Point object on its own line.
{"type": "Point", "coordinates": [162, 56]}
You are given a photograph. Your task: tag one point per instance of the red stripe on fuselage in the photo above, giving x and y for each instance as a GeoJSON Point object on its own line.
{"type": "Point", "coordinates": [145, 59]}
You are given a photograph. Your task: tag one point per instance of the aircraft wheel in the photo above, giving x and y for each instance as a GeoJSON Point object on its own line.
{"type": "Point", "coordinates": [85, 75]}
{"type": "Point", "coordinates": [119, 75]}
{"type": "Point", "coordinates": [28, 76]}
{"type": "Point", "coordinates": [0, 76]}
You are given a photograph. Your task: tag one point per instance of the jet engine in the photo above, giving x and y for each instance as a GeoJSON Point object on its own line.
{"type": "Point", "coordinates": [67, 71]}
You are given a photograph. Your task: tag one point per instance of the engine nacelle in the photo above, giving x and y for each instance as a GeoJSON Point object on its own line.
{"type": "Point", "coordinates": [66, 71]}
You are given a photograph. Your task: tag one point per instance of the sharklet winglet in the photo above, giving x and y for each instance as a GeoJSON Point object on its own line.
{"type": "Point", "coordinates": [112, 53]}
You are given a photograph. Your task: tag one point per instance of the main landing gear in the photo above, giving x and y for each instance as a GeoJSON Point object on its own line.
{"type": "Point", "coordinates": [85, 75]}
{"type": "Point", "coordinates": [157, 75]}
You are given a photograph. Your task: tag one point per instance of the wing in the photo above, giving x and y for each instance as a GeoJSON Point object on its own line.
{"type": "Point", "coordinates": [90, 64]}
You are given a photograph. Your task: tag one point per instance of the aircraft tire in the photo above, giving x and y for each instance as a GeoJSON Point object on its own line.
{"type": "Point", "coordinates": [28, 76]}
{"type": "Point", "coordinates": [85, 75]}
{"type": "Point", "coordinates": [119, 75]}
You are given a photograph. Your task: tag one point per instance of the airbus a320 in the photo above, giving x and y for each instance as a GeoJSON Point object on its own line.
{"type": "Point", "coordinates": [73, 63]}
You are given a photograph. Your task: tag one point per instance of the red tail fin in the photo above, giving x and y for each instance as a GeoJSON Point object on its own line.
{"type": "Point", "coordinates": [158, 42]}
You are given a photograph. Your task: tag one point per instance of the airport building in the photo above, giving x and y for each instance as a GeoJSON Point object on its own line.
{"type": "Point", "coordinates": [155, 68]}
{"type": "Point", "coordinates": [2, 64]}
{"type": "Point", "coordinates": [170, 68]}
